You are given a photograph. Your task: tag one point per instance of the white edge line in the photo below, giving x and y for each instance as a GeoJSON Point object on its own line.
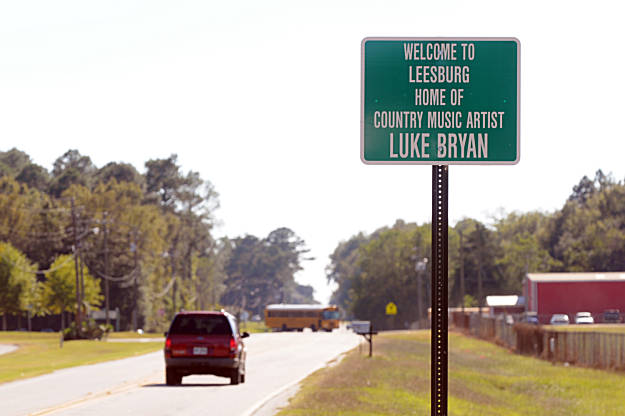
{"type": "Point", "coordinates": [258, 405]}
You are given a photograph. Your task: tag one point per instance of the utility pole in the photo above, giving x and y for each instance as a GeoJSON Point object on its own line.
{"type": "Point", "coordinates": [135, 312]}
{"type": "Point", "coordinates": [106, 269]}
{"type": "Point", "coordinates": [82, 279]}
{"type": "Point", "coordinates": [461, 273]}
{"type": "Point", "coordinates": [479, 284]}
{"type": "Point", "coordinates": [420, 268]}
{"type": "Point", "coordinates": [173, 276]}
{"type": "Point", "coordinates": [76, 256]}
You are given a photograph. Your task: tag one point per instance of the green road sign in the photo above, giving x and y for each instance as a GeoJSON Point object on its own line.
{"type": "Point", "coordinates": [440, 101]}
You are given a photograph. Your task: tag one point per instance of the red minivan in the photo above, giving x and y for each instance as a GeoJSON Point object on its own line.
{"type": "Point", "coordinates": [204, 342]}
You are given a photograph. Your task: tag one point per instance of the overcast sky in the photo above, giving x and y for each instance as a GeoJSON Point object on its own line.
{"type": "Point", "coordinates": [263, 99]}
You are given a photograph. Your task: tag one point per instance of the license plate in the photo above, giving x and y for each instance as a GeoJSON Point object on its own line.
{"type": "Point", "coordinates": [200, 351]}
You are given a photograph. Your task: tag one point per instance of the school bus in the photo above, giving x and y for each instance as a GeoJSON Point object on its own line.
{"type": "Point", "coordinates": [283, 317]}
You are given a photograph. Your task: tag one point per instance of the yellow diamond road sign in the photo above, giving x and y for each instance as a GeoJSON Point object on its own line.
{"type": "Point", "coordinates": [391, 309]}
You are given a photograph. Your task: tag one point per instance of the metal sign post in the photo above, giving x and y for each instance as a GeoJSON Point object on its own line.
{"type": "Point", "coordinates": [440, 102]}
{"type": "Point", "coordinates": [438, 378]}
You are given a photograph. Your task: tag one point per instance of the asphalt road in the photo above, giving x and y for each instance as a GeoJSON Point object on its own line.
{"type": "Point", "coordinates": [136, 386]}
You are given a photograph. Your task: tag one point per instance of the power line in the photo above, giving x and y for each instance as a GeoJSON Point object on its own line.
{"type": "Point", "coordinates": [167, 288]}
{"type": "Point", "coordinates": [41, 272]}
{"type": "Point", "coordinates": [117, 279]}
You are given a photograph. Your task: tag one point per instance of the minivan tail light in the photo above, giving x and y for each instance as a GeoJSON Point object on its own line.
{"type": "Point", "coordinates": [233, 346]}
{"type": "Point", "coordinates": [168, 348]}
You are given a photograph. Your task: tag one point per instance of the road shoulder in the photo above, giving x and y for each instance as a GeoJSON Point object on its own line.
{"type": "Point", "coordinates": [7, 348]}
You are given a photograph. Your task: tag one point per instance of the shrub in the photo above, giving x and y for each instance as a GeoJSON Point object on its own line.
{"type": "Point", "coordinates": [90, 330]}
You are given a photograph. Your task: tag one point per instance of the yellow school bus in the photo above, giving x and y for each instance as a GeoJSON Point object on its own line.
{"type": "Point", "coordinates": [283, 317]}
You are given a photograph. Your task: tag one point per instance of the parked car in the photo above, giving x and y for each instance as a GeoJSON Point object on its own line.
{"type": "Point", "coordinates": [611, 316]}
{"type": "Point", "coordinates": [204, 343]}
{"type": "Point", "coordinates": [531, 318]}
{"type": "Point", "coordinates": [559, 319]}
{"type": "Point", "coordinates": [584, 318]}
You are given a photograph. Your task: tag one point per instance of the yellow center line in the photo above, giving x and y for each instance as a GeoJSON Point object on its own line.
{"type": "Point", "coordinates": [121, 388]}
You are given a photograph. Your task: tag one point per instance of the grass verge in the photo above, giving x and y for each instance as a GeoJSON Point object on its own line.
{"type": "Point", "coordinates": [253, 327]}
{"type": "Point", "coordinates": [484, 379]}
{"type": "Point", "coordinates": [40, 353]}
{"type": "Point", "coordinates": [134, 335]}
{"type": "Point", "coordinates": [608, 328]}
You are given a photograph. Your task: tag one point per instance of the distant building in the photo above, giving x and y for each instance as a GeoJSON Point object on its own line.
{"type": "Point", "coordinates": [509, 304]}
{"type": "Point", "coordinates": [569, 293]}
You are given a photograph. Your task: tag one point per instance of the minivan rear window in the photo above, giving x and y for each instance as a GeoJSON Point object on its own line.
{"type": "Point", "coordinates": [200, 325]}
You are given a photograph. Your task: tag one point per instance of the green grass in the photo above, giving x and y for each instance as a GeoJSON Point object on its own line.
{"type": "Point", "coordinates": [484, 379]}
{"type": "Point", "coordinates": [133, 334]}
{"type": "Point", "coordinates": [253, 327]}
{"type": "Point", "coordinates": [40, 353]}
{"type": "Point", "coordinates": [610, 328]}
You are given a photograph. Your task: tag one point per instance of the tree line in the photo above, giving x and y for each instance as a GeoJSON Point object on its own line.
{"type": "Point", "coordinates": [113, 238]}
{"type": "Point", "coordinates": [390, 264]}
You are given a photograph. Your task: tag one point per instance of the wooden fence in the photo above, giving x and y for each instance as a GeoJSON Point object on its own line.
{"type": "Point", "coordinates": [589, 349]}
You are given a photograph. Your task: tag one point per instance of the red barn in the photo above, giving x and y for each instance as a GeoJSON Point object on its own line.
{"type": "Point", "coordinates": [549, 293]}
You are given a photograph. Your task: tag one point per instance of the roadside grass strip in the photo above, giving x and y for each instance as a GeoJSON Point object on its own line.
{"type": "Point", "coordinates": [134, 335]}
{"type": "Point", "coordinates": [40, 353]}
{"type": "Point", "coordinates": [607, 328]}
{"type": "Point", "coordinates": [484, 379]}
{"type": "Point", "coordinates": [253, 327]}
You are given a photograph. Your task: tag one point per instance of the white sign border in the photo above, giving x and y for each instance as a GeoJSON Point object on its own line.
{"type": "Point", "coordinates": [439, 162]}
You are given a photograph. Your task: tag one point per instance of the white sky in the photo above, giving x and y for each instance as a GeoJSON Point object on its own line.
{"type": "Point", "coordinates": [263, 99]}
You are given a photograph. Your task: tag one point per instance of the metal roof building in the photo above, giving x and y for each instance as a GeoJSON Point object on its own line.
{"type": "Point", "coordinates": [569, 293]}
{"type": "Point", "coordinates": [508, 304]}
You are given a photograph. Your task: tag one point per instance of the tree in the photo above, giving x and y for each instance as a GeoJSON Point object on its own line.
{"type": "Point", "coordinates": [121, 172]}
{"type": "Point", "coordinates": [13, 161]}
{"type": "Point", "coordinates": [303, 294]}
{"type": "Point", "coordinates": [286, 251]}
{"type": "Point", "coordinates": [69, 169]}
{"type": "Point", "coordinates": [591, 237]}
{"type": "Point", "coordinates": [17, 282]}
{"type": "Point", "coordinates": [163, 178]}
{"type": "Point", "coordinates": [583, 190]}
{"type": "Point", "coordinates": [344, 268]}
{"type": "Point", "coordinates": [262, 271]}
{"type": "Point", "coordinates": [210, 275]}
{"type": "Point", "coordinates": [34, 176]}
{"type": "Point", "coordinates": [72, 159]}
{"type": "Point", "coordinates": [196, 201]}
{"type": "Point", "coordinates": [59, 288]}
{"type": "Point", "coordinates": [521, 239]}
{"type": "Point", "coordinates": [16, 203]}
{"type": "Point", "coordinates": [483, 276]}
{"type": "Point", "coordinates": [373, 270]}
{"type": "Point", "coordinates": [188, 202]}
{"type": "Point", "coordinates": [387, 274]}
{"type": "Point", "coordinates": [122, 242]}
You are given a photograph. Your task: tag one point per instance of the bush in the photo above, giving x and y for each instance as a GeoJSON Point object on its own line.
{"type": "Point", "coordinates": [90, 330]}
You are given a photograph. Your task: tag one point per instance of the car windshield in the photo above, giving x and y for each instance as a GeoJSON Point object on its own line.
{"type": "Point", "coordinates": [200, 325]}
